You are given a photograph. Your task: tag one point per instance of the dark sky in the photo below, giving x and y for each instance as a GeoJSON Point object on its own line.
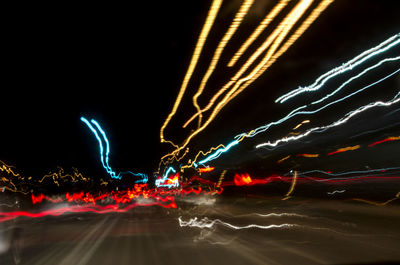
{"type": "Point", "coordinates": [123, 64]}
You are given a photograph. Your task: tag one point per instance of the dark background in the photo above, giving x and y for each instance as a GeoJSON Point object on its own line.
{"type": "Point", "coordinates": [123, 64]}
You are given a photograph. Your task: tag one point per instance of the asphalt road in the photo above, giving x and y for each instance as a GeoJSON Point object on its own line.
{"type": "Point", "coordinates": [248, 231]}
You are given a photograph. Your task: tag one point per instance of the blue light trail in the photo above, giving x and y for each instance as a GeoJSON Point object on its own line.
{"type": "Point", "coordinates": [105, 157]}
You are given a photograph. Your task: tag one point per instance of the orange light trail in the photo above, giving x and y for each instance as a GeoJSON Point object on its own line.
{"type": "Point", "coordinates": [212, 14]}
{"type": "Point", "coordinates": [309, 155]}
{"type": "Point", "coordinates": [217, 54]}
{"type": "Point", "coordinates": [273, 39]}
{"type": "Point", "coordinates": [239, 84]}
{"type": "Point", "coordinates": [389, 139]}
{"type": "Point", "coordinates": [283, 159]}
{"type": "Point", "coordinates": [267, 20]}
{"type": "Point", "coordinates": [345, 149]}
{"type": "Point", "coordinates": [206, 169]}
{"type": "Point", "coordinates": [294, 180]}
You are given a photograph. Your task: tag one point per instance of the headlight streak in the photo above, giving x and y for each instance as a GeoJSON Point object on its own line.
{"type": "Point", "coordinates": [218, 51]}
{"type": "Point", "coordinates": [274, 40]}
{"type": "Point", "coordinates": [328, 173]}
{"type": "Point", "coordinates": [308, 155]}
{"type": "Point", "coordinates": [196, 54]}
{"type": "Point", "coordinates": [207, 223]}
{"type": "Point", "coordinates": [104, 158]}
{"type": "Point", "coordinates": [397, 196]}
{"type": "Point", "coordinates": [55, 176]}
{"type": "Point", "coordinates": [267, 20]}
{"type": "Point", "coordinates": [160, 182]}
{"type": "Point", "coordinates": [112, 208]}
{"type": "Point", "coordinates": [350, 65]}
{"type": "Point", "coordinates": [25, 185]}
{"type": "Point", "coordinates": [335, 191]}
{"type": "Point", "coordinates": [344, 149]}
{"type": "Point", "coordinates": [294, 180]}
{"type": "Point", "coordinates": [298, 111]}
{"type": "Point", "coordinates": [319, 129]}
{"type": "Point", "coordinates": [389, 139]}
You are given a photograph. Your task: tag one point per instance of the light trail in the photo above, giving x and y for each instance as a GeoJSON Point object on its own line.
{"type": "Point", "coordinates": [165, 181]}
{"type": "Point", "coordinates": [344, 149]}
{"type": "Point", "coordinates": [55, 176]}
{"type": "Point", "coordinates": [283, 159]}
{"type": "Point", "coordinates": [112, 208]}
{"type": "Point", "coordinates": [335, 191]}
{"type": "Point", "coordinates": [389, 139]}
{"type": "Point", "coordinates": [292, 39]}
{"type": "Point", "coordinates": [308, 155]}
{"type": "Point", "coordinates": [397, 196]}
{"type": "Point", "coordinates": [207, 223]}
{"type": "Point", "coordinates": [294, 181]}
{"type": "Point", "coordinates": [273, 41]}
{"type": "Point", "coordinates": [293, 113]}
{"type": "Point", "coordinates": [212, 14]}
{"type": "Point", "coordinates": [104, 158]}
{"type": "Point", "coordinates": [350, 65]}
{"type": "Point", "coordinates": [217, 54]}
{"type": "Point", "coordinates": [256, 33]}
{"type": "Point", "coordinates": [348, 116]}
{"type": "Point", "coordinates": [385, 170]}
{"type": "Point", "coordinates": [300, 124]}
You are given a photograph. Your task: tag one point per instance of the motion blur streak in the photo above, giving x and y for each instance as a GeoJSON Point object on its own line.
{"type": "Point", "coordinates": [100, 144]}
{"type": "Point", "coordinates": [309, 155]}
{"type": "Point", "coordinates": [387, 169]}
{"type": "Point", "coordinates": [273, 41]}
{"type": "Point", "coordinates": [207, 223]}
{"type": "Point", "coordinates": [267, 20]}
{"type": "Point", "coordinates": [389, 139]}
{"type": "Point", "coordinates": [5, 216]}
{"type": "Point", "coordinates": [294, 180]}
{"type": "Point", "coordinates": [310, 19]}
{"type": "Point", "coordinates": [344, 149]}
{"type": "Point", "coordinates": [144, 177]}
{"type": "Point", "coordinates": [335, 191]}
{"type": "Point", "coordinates": [350, 65]}
{"type": "Point", "coordinates": [217, 54]}
{"type": "Point", "coordinates": [296, 112]}
{"type": "Point", "coordinates": [8, 169]}
{"type": "Point", "coordinates": [196, 54]}
{"type": "Point", "coordinates": [206, 169]}
{"type": "Point", "coordinates": [348, 116]}
{"type": "Point", "coordinates": [378, 203]}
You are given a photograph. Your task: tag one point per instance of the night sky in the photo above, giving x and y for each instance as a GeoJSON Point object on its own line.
{"type": "Point", "coordinates": [123, 65]}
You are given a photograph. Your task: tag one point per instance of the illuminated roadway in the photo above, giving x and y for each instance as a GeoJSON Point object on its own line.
{"type": "Point", "coordinates": [323, 232]}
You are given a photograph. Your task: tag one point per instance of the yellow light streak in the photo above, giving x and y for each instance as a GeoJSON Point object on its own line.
{"type": "Point", "coordinates": [271, 56]}
{"type": "Point", "coordinates": [303, 27]}
{"type": "Point", "coordinates": [217, 54]}
{"type": "Point", "coordinates": [55, 176]}
{"type": "Point", "coordinates": [397, 196]}
{"type": "Point", "coordinates": [294, 180]}
{"type": "Point", "coordinates": [301, 123]}
{"type": "Point", "coordinates": [309, 155]}
{"type": "Point", "coordinates": [267, 20]}
{"type": "Point", "coordinates": [278, 34]}
{"type": "Point", "coordinates": [8, 169]}
{"type": "Point", "coordinates": [212, 14]}
{"type": "Point", "coordinates": [283, 159]}
{"type": "Point", "coordinates": [221, 178]}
